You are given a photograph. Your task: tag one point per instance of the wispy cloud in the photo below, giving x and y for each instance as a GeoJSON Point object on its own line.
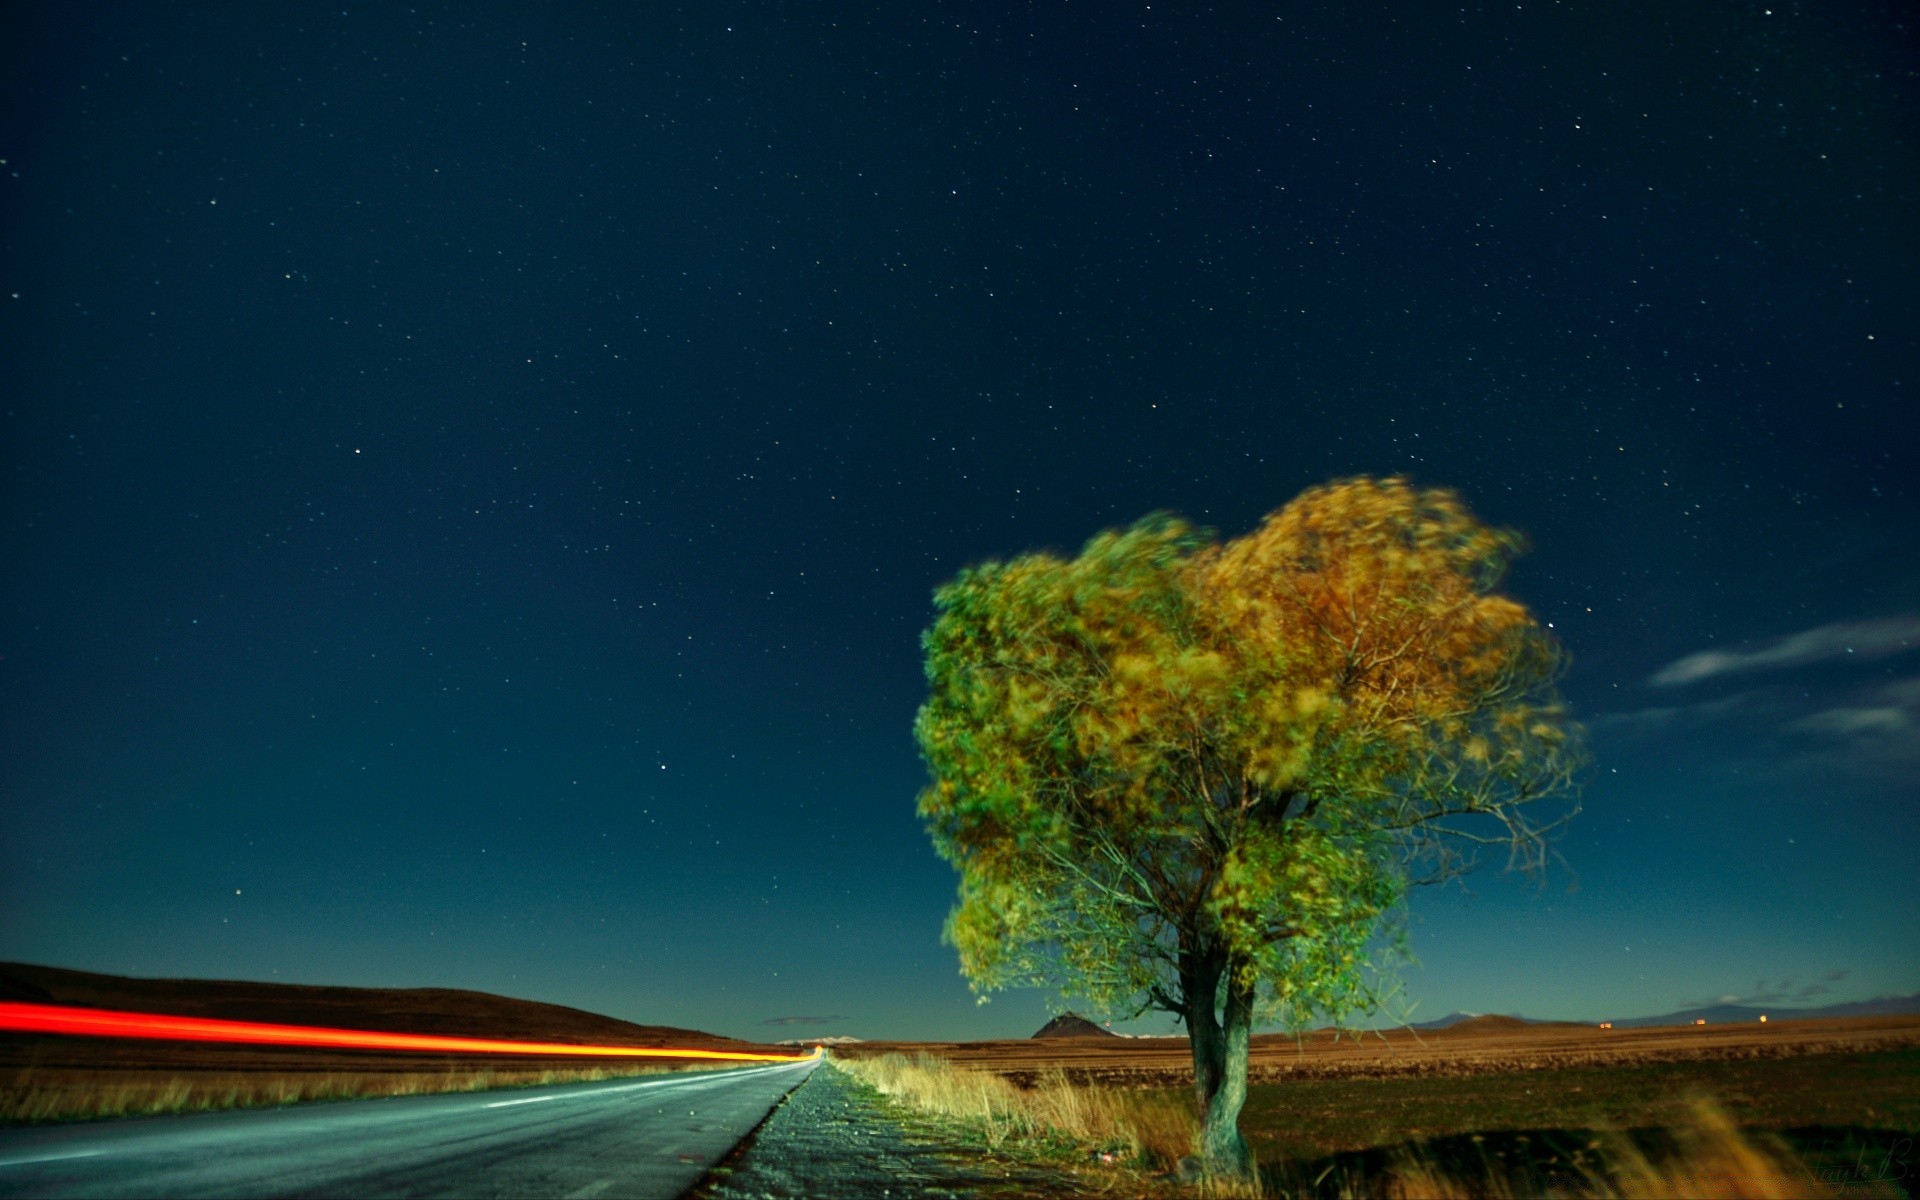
{"type": "Point", "coordinates": [1876, 730]}
{"type": "Point", "coordinates": [1817, 732]}
{"type": "Point", "coordinates": [1664, 719]}
{"type": "Point", "coordinates": [803, 1020]}
{"type": "Point", "coordinates": [1852, 722]}
{"type": "Point", "coordinates": [1784, 992]}
{"type": "Point", "coordinates": [1877, 638]}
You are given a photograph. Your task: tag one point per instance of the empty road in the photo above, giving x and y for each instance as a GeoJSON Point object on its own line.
{"type": "Point", "coordinates": [652, 1137]}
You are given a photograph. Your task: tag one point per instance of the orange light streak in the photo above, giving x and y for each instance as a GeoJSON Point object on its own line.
{"type": "Point", "coordinates": [92, 1022]}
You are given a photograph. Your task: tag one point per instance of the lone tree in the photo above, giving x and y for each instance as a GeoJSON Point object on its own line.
{"type": "Point", "coordinates": [1183, 775]}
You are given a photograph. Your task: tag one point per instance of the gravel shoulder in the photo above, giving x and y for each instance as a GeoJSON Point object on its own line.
{"type": "Point", "coordinates": [833, 1136]}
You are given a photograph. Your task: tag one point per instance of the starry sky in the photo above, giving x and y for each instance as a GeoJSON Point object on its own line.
{"type": "Point", "coordinates": [475, 474]}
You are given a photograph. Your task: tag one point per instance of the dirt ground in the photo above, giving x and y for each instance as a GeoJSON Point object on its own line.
{"type": "Point", "coordinates": [1486, 1044]}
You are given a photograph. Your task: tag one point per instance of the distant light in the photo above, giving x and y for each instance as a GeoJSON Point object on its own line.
{"type": "Point", "coordinates": [1763, 1018]}
{"type": "Point", "coordinates": [1699, 1020]}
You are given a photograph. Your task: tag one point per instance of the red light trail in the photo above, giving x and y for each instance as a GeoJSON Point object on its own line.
{"type": "Point", "coordinates": [92, 1022]}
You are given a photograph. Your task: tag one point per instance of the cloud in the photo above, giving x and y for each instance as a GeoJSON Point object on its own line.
{"type": "Point", "coordinates": [1851, 722]}
{"type": "Point", "coordinates": [1643, 722]}
{"type": "Point", "coordinates": [1904, 693]}
{"type": "Point", "coordinates": [803, 1020]}
{"type": "Point", "coordinates": [1774, 993]}
{"type": "Point", "coordinates": [1820, 733]}
{"type": "Point", "coordinates": [1874, 731]}
{"type": "Point", "coordinates": [1877, 638]}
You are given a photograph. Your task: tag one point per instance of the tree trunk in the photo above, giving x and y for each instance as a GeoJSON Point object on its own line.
{"type": "Point", "coordinates": [1219, 1061]}
{"type": "Point", "coordinates": [1200, 981]}
{"type": "Point", "coordinates": [1222, 1150]}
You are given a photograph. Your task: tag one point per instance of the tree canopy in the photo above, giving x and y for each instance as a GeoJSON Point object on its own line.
{"type": "Point", "coordinates": [1195, 775]}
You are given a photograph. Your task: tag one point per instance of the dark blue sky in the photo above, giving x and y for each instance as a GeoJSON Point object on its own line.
{"type": "Point", "coordinates": [475, 477]}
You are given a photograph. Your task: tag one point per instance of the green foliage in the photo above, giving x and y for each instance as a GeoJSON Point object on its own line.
{"type": "Point", "coordinates": [1168, 748]}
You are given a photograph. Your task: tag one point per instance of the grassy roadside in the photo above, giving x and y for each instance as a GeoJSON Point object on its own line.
{"type": "Point", "coordinates": [1104, 1137]}
{"type": "Point", "coordinates": [31, 1095]}
{"type": "Point", "coordinates": [1758, 1130]}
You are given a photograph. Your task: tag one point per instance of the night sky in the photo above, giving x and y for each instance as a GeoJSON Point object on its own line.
{"type": "Point", "coordinates": [475, 475]}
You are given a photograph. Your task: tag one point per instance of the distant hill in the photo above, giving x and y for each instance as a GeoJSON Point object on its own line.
{"type": "Point", "coordinates": [1073, 1025]}
{"type": "Point", "coordinates": [446, 1011]}
{"type": "Point", "coordinates": [835, 1040]}
{"type": "Point", "coordinates": [1714, 1014]}
{"type": "Point", "coordinates": [1477, 1020]}
{"type": "Point", "coordinates": [1492, 1023]}
{"type": "Point", "coordinates": [1885, 1006]}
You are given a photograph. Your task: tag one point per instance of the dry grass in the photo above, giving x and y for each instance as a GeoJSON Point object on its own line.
{"type": "Point", "coordinates": [1713, 1158]}
{"type": "Point", "coordinates": [38, 1094]}
{"type": "Point", "coordinates": [1717, 1159]}
{"type": "Point", "coordinates": [1145, 1130]}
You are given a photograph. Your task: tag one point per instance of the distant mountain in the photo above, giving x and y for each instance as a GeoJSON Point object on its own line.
{"type": "Point", "coordinates": [1884, 1006]}
{"type": "Point", "coordinates": [1715, 1014]}
{"type": "Point", "coordinates": [1073, 1025]}
{"type": "Point", "coordinates": [445, 1011]}
{"type": "Point", "coordinates": [835, 1040]}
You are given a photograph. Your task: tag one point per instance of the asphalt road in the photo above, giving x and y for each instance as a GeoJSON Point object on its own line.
{"type": "Point", "coordinates": [653, 1137]}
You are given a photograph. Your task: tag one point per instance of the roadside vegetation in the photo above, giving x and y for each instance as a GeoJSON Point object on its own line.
{"type": "Point", "coordinates": [1051, 1119]}
{"type": "Point", "coordinates": [44, 1094]}
{"type": "Point", "coordinates": [1815, 1126]}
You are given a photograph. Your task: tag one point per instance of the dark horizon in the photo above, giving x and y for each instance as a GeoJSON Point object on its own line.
{"type": "Point", "coordinates": [476, 477]}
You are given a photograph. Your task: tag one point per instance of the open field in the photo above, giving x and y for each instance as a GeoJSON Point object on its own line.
{"type": "Point", "coordinates": [1484, 1045]}
{"type": "Point", "coordinates": [1826, 1107]}
{"type": "Point", "coordinates": [1833, 1112]}
{"type": "Point", "coordinates": [1312, 1117]}
{"type": "Point", "coordinates": [1778, 1128]}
